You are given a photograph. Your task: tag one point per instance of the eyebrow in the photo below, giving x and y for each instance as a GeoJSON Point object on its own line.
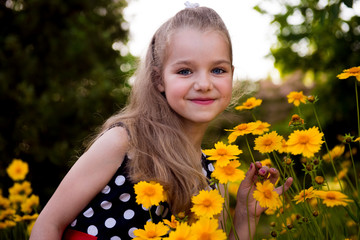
{"type": "Point", "coordinates": [186, 62]}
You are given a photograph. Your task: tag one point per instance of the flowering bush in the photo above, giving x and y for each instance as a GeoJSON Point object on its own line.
{"type": "Point", "coordinates": [18, 211]}
{"type": "Point", "coordinates": [323, 202]}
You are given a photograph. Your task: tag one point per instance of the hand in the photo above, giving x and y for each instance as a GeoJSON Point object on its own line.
{"type": "Point", "coordinates": [249, 184]}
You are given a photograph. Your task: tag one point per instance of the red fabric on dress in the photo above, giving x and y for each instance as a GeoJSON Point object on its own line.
{"type": "Point", "coordinates": [70, 234]}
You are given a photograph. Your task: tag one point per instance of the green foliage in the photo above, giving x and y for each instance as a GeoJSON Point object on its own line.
{"type": "Point", "coordinates": [317, 38]}
{"type": "Point", "coordinates": [59, 78]}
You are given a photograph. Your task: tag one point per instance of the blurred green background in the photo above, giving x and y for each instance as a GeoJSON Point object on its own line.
{"type": "Point", "coordinates": [62, 73]}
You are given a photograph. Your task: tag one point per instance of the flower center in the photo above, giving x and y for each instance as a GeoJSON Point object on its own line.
{"type": "Point", "coordinates": [242, 127]}
{"type": "Point", "coordinates": [331, 196]}
{"type": "Point", "coordinates": [268, 142]}
{"type": "Point", "coordinates": [267, 194]}
{"type": "Point", "coordinates": [151, 234]}
{"type": "Point", "coordinates": [149, 191]}
{"type": "Point", "coordinates": [206, 202]}
{"type": "Point", "coordinates": [205, 236]}
{"type": "Point", "coordinates": [248, 104]}
{"type": "Point", "coordinates": [298, 96]}
{"type": "Point", "coordinates": [303, 139]}
{"type": "Point", "coordinates": [221, 151]}
{"type": "Point", "coordinates": [229, 170]}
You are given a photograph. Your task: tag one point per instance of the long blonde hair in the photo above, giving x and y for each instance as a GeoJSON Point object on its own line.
{"type": "Point", "coordinates": [160, 149]}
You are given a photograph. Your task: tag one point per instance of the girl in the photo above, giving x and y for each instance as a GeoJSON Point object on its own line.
{"type": "Point", "coordinates": [184, 83]}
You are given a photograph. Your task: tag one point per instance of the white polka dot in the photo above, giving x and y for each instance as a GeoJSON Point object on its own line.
{"type": "Point", "coordinates": [211, 167]}
{"type": "Point", "coordinates": [92, 230]}
{"type": "Point", "coordinates": [159, 210]}
{"type": "Point", "coordinates": [115, 238]}
{"type": "Point", "coordinates": [204, 171]}
{"type": "Point", "coordinates": [131, 232]}
{"type": "Point", "coordinates": [89, 213]}
{"type": "Point", "coordinates": [120, 180]}
{"type": "Point", "coordinates": [110, 222]}
{"type": "Point", "coordinates": [106, 189]}
{"type": "Point", "coordinates": [106, 205]}
{"type": "Point", "coordinates": [129, 214]}
{"type": "Point", "coordinates": [144, 208]}
{"type": "Point", "coordinates": [125, 197]}
{"type": "Point", "coordinates": [73, 224]}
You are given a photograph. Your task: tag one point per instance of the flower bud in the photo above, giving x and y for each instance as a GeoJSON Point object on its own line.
{"type": "Point", "coordinates": [315, 213]}
{"type": "Point", "coordinates": [309, 167]}
{"type": "Point", "coordinates": [273, 234]}
{"type": "Point", "coordinates": [311, 98]}
{"type": "Point", "coordinates": [290, 226]}
{"type": "Point", "coordinates": [319, 180]}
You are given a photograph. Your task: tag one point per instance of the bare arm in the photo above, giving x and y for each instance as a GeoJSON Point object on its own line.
{"type": "Point", "coordinates": [85, 179]}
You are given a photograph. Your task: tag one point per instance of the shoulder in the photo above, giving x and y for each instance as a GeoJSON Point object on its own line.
{"type": "Point", "coordinates": [112, 143]}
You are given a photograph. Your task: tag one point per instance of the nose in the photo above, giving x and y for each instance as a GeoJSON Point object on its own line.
{"type": "Point", "coordinates": [203, 82]}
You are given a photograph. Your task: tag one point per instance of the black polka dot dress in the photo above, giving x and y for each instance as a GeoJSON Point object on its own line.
{"type": "Point", "coordinates": [114, 214]}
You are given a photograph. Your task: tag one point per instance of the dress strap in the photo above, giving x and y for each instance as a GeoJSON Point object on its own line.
{"type": "Point", "coordinates": [120, 124]}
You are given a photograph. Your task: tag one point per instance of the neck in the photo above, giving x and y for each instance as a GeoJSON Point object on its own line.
{"type": "Point", "coordinates": [195, 132]}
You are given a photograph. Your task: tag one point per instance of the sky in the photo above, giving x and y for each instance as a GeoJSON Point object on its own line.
{"type": "Point", "coordinates": [250, 31]}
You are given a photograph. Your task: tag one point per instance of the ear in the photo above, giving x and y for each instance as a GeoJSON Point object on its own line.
{"type": "Point", "coordinates": [161, 87]}
{"type": "Point", "coordinates": [158, 79]}
{"type": "Point", "coordinates": [232, 69]}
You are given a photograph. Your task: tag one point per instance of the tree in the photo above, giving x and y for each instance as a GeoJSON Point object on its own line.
{"type": "Point", "coordinates": [61, 75]}
{"type": "Point", "coordinates": [318, 38]}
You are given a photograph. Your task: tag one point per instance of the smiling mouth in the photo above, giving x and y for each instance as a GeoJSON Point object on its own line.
{"type": "Point", "coordinates": [206, 101]}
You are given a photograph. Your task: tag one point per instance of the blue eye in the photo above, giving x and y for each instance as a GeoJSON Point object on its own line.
{"type": "Point", "coordinates": [218, 71]}
{"type": "Point", "coordinates": [184, 72]}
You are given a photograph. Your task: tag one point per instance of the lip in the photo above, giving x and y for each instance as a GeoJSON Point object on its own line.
{"type": "Point", "coordinates": [203, 101]}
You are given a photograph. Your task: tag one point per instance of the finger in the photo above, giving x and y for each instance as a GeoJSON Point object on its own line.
{"type": "Point", "coordinates": [258, 165]}
{"type": "Point", "coordinates": [248, 182]}
{"type": "Point", "coordinates": [285, 187]}
{"type": "Point", "coordinates": [263, 171]}
{"type": "Point", "coordinates": [274, 175]}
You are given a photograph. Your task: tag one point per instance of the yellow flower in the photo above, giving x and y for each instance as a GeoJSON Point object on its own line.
{"type": "Point", "coordinates": [305, 142]}
{"type": "Point", "coordinates": [173, 223]}
{"type": "Point", "coordinates": [268, 142]}
{"type": "Point", "coordinates": [151, 231]}
{"type": "Point", "coordinates": [182, 232]}
{"type": "Point", "coordinates": [333, 198]}
{"type": "Point", "coordinates": [283, 147]}
{"type": "Point", "coordinates": [23, 188]}
{"type": "Point", "coordinates": [222, 153]}
{"type": "Point", "coordinates": [228, 173]}
{"type": "Point", "coordinates": [305, 194]}
{"type": "Point", "coordinates": [30, 203]}
{"type": "Point", "coordinates": [250, 103]}
{"type": "Point", "coordinates": [351, 72]}
{"type": "Point", "coordinates": [149, 193]}
{"type": "Point", "coordinates": [266, 196]}
{"type": "Point", "coordinates": [337, 151]}
{"type": "Point", "coordinates": [296, 98]}
{"type": "Point", "coordinates": [207, 203]}
{"type": "Point", "coordinates": [266, 162]}
{"type": "Point", "coordinates": [342, 173]}
{"type": "Point", "coordinates": [240, 130]}
{"type": "Point", "coordinates": [17, 170]}
{"type": "Point", "coordinates": [207, 229]}
{"type": "Point", "coordinates": [357, 139]}
{"type": "Point", "coordinates": [261, 128]}
{"type": "Point", "coordinates": [233, 188]}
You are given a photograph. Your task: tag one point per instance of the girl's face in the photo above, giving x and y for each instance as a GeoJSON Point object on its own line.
{"type": "Point", "coordinates": [197, 74]}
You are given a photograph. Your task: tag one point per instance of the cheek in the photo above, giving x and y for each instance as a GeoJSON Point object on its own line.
{"type": "Point", "coordinates": [226, 90]}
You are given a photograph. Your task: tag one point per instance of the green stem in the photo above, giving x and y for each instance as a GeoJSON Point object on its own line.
{"type": "Point", "coordinates": [247, 143]}
{"type": "Point", "coordinates": [327, 148]}
{"type": "Point", "coordinates": [357, 108]}
{"type": "Point", "coordinates": [353, 163]}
